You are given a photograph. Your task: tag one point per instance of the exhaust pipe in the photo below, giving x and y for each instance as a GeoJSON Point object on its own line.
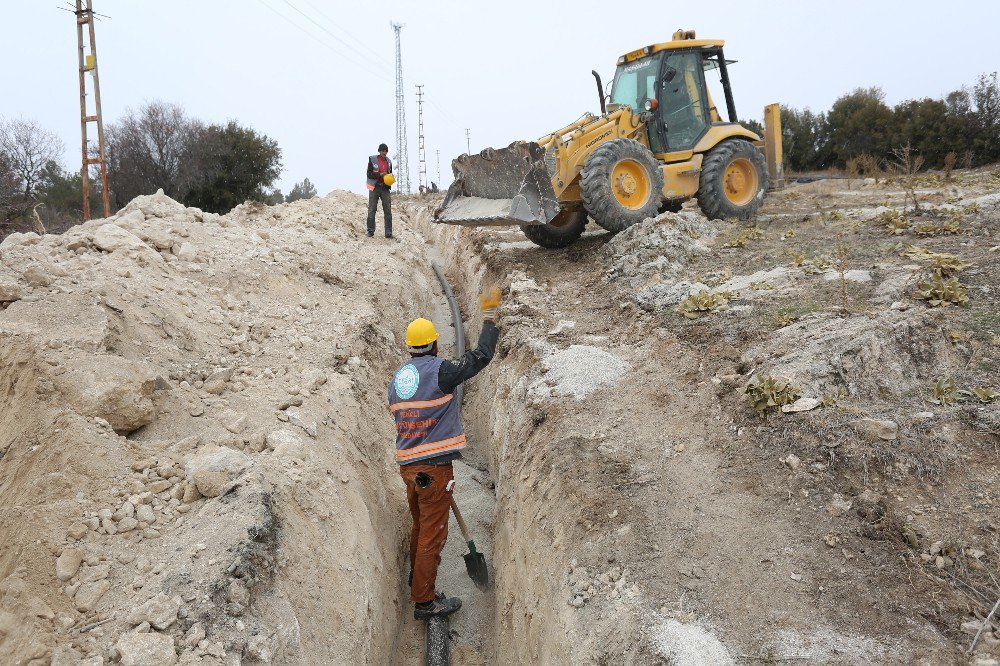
{"type": "Point", "coordinates": [600, 91]}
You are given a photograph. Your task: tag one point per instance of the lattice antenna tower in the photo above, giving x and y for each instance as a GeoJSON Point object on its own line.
{"type": "Point", "coordinates": [88, 63]}
{"type": "Point", "coordinates": [403, 157]}
{"type": "Point", "coordinates": [421, 151]}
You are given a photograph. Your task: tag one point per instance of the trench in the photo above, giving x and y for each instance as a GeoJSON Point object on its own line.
{"type": "Point", "coordinates": [512, 492]}
{"type": "Point", "coordinates": [466, 636]}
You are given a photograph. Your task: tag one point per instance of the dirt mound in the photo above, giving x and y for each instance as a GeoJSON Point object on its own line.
{"type": "Point", "coordinates": [194, 463]}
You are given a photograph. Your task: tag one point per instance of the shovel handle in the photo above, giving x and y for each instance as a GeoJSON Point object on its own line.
{"type": "Point", "coordinates": [461, 522]}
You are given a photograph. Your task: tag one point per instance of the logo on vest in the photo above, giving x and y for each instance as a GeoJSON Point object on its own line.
{"type": "Point", "coordinates": [406, 382]}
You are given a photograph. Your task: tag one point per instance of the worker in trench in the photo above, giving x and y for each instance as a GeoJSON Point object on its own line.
{"type": "Point", "coordinates": [429, 436]}
{"type": "Point", "coordinates": [380, 181]}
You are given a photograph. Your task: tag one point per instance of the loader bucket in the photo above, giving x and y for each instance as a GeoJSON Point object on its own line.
{"type": "Point", "coordinates": [498, 187]}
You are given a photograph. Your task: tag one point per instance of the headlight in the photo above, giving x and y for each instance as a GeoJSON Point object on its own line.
{"type": "Point", "coordinates": [652, 105]}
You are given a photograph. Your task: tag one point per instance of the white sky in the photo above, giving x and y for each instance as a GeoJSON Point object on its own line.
{"type": "Point", "coordinates": [507, 70]}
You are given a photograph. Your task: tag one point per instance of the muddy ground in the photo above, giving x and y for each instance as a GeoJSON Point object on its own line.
{"type": "Point", "coordinates": [225, 378]}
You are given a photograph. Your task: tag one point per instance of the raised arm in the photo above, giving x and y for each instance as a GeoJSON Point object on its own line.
{"type": "Point", "coordinates": [472, 362]}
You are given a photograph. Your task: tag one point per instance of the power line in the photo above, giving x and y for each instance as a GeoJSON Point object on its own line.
{"type": "Point", "coordinates": [318, 40]}
{"type": "Point", "coordinates": [457, 124]}
{"type": "Point", "coordinates": [323, 28]}
{"type": "Point", "coordinates": [363, 45]}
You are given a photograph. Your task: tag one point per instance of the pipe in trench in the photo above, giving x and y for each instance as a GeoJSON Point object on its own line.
{"type": "Point", "coordinates": [437, 647]}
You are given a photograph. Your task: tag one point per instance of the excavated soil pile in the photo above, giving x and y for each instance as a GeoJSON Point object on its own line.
{"type": "Point", "coordinates": [194, 446]}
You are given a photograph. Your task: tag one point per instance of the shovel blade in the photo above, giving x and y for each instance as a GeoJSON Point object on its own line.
{"type": "Point", "coordinates": [475, 566]}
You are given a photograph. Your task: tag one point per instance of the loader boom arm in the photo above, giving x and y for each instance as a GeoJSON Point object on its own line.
{"type": "Point", "coordinates": [568, 147]}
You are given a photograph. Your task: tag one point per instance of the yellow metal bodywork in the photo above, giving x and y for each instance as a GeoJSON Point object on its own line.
{"type": "Point", "coordinates": [671, 45]}
{"type": "Point", "coordinates": [570, 146]}
{"type": "Point", "coordinates": [680, 179]}
{"type": "Point", "coordinates": [772, 145]}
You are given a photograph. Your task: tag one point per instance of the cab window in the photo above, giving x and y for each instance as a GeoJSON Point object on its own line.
{"type": "Point", "coordinates": [635, 82]}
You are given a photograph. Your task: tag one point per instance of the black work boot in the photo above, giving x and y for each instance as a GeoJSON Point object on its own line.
{"type": "Point", "coordinates": [440, 606]}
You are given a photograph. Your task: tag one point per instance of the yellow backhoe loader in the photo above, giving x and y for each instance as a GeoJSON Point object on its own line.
{"type": "Point", "coordinates": [658, 142]}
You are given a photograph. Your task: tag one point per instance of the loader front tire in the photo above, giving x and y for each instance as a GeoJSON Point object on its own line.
{"type": "Point", "coordinates": [621, 184]}
{"type": "Point", "coordinates": [563, 231]}
{"type": "Point", "coordinates": [733, 181]}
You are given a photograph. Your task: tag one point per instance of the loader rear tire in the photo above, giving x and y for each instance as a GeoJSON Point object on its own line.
{"type": "Point", "coordinates": [563, 231]}
{"type": "Point", "coordinates": [621, 184]}
{"type": "Point", "coordinates": [733, 181]}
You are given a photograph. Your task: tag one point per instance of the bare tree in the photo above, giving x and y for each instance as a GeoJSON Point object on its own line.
{"type": "Point", "coordinates": [908, 163]}
{"type": "Point", "coordinates": [149, 149]}
{"type": "Point", "coordinates": [27, 148]}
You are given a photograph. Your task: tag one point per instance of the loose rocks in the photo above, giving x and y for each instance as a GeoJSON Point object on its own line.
{"type": "Point", "coordinates": [877, 429]}
{"type": "Point", "coordinates": [68, 563]}
{"type": "Point", "coordinates": [146, 649]}
{"type": "Point", "coordinates": [215, 468]}
{"type": "Point", "coordinates": [160, 612]}
{"type": "Point", "coordinates": [89, 594]}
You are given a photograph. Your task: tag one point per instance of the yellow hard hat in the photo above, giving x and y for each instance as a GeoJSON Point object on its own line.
{"type": "Point", "coordinates": [420, 333]}
{"type": "Point", "coordinates": [389, 179]}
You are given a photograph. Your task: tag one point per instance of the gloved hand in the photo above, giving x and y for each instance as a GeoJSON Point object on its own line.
{"type": "Point", "coordinates": [489, 301]}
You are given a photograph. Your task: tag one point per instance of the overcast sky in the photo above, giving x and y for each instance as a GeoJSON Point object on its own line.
{"type": "Point", "coordinates": [318, 75]}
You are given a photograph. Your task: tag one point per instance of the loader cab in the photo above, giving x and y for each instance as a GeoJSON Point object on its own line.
{"type": "Point", "coordinates": [670, 83]}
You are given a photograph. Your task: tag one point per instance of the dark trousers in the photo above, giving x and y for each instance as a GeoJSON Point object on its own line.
{"type": "Point", "coordinates": [373, 199]}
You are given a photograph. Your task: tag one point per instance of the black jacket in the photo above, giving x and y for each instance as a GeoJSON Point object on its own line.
{"type": "Point", "coordinates": [451, 374]}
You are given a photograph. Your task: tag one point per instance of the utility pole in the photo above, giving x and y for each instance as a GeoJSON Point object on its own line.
{"type": "Point", "coordinates": [88, 63]}
{"type": "Point", "coordinates": [468, 142]}
{"type": "Point", "coordinates": [402, 162]}
{"type": "Point", "coordinates": [421, 153]}
{"type": "Point", "coordinates": [439, 167]}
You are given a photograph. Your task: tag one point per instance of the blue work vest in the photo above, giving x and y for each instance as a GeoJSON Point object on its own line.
{"type": "Point", "coordinates": [428, 422]}
{"type": "Point", "coordinates": [374, 161]}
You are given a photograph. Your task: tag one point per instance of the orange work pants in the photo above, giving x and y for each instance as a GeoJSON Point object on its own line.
{"type": "Point", "coordinates": [429, 507]}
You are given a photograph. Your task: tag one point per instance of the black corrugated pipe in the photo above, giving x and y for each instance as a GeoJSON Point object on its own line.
{"type": "Point", "coordinates": [456, 320]}
{"type": "Point", "coordinates": [437, 645]}
{"type": "Point", "coordinates": [600, 91]}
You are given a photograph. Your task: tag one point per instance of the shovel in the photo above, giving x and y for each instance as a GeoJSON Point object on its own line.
{"type": "Point", "coordinates": [475, 562]}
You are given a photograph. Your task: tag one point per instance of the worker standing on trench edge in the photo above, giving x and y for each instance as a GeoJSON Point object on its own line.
{"type": "Point", "coordinates": [380, 181]}
{"type": "Point", "coordinates": [429, 436]}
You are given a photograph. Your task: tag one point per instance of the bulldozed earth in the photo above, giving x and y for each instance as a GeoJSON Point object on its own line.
{"type": "Point", "coordinates": [699, 442]}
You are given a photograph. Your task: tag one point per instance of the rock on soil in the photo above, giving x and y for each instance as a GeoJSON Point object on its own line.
{"type": "Point", "coordinates": [160, 612]}
{"type": "Point", "coordinates": [68, 563]}
{"type": "Point", "coordinates": [115, 389]}
{"type": "Point", "coordinates": [657, 249]}
{"type": "Point", "coordinates": [882, 355]}
{"type": "Point", "coordinates": [150, 649]}
{"type": "Point", "coordinates": [215, 469]}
